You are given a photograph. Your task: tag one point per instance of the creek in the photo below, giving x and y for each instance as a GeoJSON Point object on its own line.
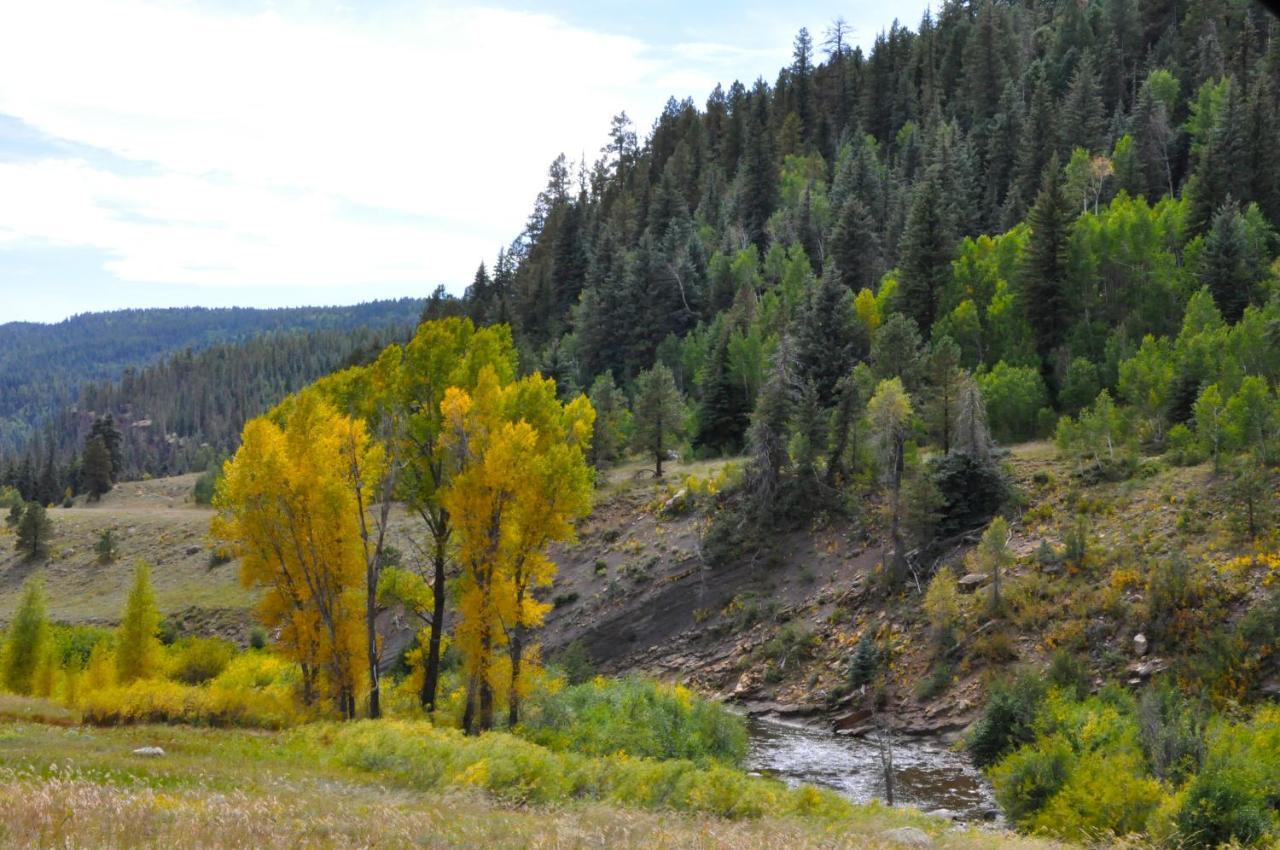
{"type": "Point", "coordinates": [927, 773]}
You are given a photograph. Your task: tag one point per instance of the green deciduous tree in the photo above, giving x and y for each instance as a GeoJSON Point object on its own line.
{"type": "Point", "coordinates": [27, 640]}
{"type": "Point", "coordinates": [137, 644]}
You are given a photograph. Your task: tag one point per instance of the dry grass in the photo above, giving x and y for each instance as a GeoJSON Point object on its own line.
{"type": "Point", "coordinates": [72, 788]}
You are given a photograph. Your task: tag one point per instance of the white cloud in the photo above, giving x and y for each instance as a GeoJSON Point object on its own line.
{"type": "Point", "coordinates": [316, 148]}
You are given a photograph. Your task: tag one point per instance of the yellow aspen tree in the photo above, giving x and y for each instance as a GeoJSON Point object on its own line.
{"type": "Point", "coordinates": [137, 643]}
{"type": "Point", "coordinates": [286, 507]}
{"type": "Point", "coordinates": [521, 478]}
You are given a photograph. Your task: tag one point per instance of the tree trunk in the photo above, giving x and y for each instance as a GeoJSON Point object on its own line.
{"type": "Point", "coordinates": [517, 656]}
{"type": "Point", "coordinates": [371, 637]}
{"type": "Point", "coordinates": [431, 678]}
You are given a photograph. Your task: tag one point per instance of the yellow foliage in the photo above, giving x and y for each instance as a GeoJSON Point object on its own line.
{"type": "Point", "coordinates": [522, 479]}
{"type": "Point", "coordinates": [288, 507]}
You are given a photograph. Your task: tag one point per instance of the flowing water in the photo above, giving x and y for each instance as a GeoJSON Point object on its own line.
{"type": "Point", "coordinates": [927, 774]}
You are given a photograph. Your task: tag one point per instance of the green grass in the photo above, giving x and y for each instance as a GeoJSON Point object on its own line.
{"type": "Point", "coordinates": [77, 787]}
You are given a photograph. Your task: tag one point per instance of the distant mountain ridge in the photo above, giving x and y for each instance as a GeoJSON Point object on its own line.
{"type": "Point", "coordinates": [45, 367]}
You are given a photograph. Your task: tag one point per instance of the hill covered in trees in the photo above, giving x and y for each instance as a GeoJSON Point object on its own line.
{"type": "Point", "coordinates": [1044, 183]}
{"type": "Point", "coordinates": [180, 411]}
{"type": "Point", "coordinates": [45, 366]}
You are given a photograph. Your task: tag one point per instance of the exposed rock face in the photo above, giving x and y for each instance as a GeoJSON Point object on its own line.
{"type": "Point", "coordinates": [1140, 645]}
{"type": "Point", "coordinates": [971, 582]}
{"type": "Point", "coordinates": [149, 752]}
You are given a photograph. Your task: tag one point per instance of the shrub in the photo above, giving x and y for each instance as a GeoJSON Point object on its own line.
{"type": "Point", "coordinates": [942, 607]}
{"type": "Point", "coordinates": [1008, 719]}
{"type": "Point", "coordinates": [107, 546]}
{"type": "Point", "coordinates": [640, 718]}
{"type": "Point", "coordinates": [207, 484]}
{"type": "Point", "coordinates": [575, 663]}
{"type": "Point", "coordinates": [199, 659]}
{"type": "Point", "coordinates": [1026, 780]}
{"type": "Point", "coordinates": [866, 659]}
{"type": "Point", "coordinates": [1171, 732]}
{"type": "Point", "coordinates": [257, 638]}
{"type": "Point", "coordinates": [970, 490]}
{"type": "Point", "coordinates": [1176, 595]}
{"type": "Point", "coordinates": [520, 771]}
{"type": "Point", "coordinates": [1068, 673]}
{"type": "Point", "coordinates": [160, 701]}
{"type": "Point", "coordinates": [28, 639]}
{"type": "Point", "coordinates": [1106, 794]}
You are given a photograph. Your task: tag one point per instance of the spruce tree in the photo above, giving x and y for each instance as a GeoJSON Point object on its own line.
{"type": "Point", "coordinates": [828, 337]}
{"type": "Point", "coordinates": [1222, 262]}
{"type": "Point", "coordinates": [104, 428]}
{"type": "Point", "coordinates": [27, 640]}
{"type": "Point", "coordinates": [97, 468]}
{"type": "Point", "coordinates": [137, 644]}
{"type": "Point", "coordinates": [767, 436]}
{"type": "Point", "coordinates": [659, 414]}
{"type": "Point", "coordinates": [1044, 270]}
{"type": "Point", "coordinates": [928, 247]}
{"type": "Point", "coordinates": [610, 406]}
{"type": "Point", "coordinates": [723, 408]}
{"type": "Point", "coordinates": [853, 247]}
{"type": "Point", "coordinates": [34, 531]}
{"type": "Point", "coordinates": [944, 378]}
{"type": "Point", "coordinates": [1082, 112]}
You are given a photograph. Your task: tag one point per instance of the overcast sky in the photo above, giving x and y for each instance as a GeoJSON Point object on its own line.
{"type": "Point", "coordinates": [281, 153]}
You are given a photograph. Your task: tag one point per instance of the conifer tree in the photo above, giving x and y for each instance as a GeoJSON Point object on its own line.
{"type": "Point", "coordinates": [34, 531]}
{"type": "Point", "coordinates": [722, 410]}
{"type": "Point", "coordinates": [928, 247]}
{"type": "Point", "coordinates": [1223, 266]}
{"type": "Point", "coordinates": [137, 644]}
{"type": "Point", "coordinates": [27, 640]}
{"type": "Point", "coordinates": [659, 414]}
{"type": "Point", "coordinates": [828, 337]}
{"type": "Point", "coordinates": [98, 473]}
{"type": "Point", "coordinates": [854, 246]}
{"type": "Point", "coordinates": [1045, 264]}
{"type": "Point", "coordinates": [767, 436]}
{"type": "Point", "coordinates": [611, 410]}
{"type": "Point", "coordinates": [944, 378]}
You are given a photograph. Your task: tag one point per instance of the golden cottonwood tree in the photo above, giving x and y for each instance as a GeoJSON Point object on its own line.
{"type": "Point", "coordinates": [286, 505]}
{"type": "Point", "coordinates": [520, 479]}
{"type": "Point", "coordinates": [407, 390]}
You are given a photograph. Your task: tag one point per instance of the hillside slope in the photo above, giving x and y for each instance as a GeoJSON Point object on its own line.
{"type": "Point", "coordinates": [776, 632]}
{"type": "Point", "coordinates": [43, 367]}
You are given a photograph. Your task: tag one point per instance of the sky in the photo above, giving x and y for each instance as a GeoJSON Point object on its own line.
{"type": "Point", "coordinates": [261, 153]}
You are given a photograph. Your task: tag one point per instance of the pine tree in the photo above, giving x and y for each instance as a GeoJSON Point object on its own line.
{"type": "Point", "coordinates": [659, 414]}
{"type": "Point", "coordinates": [928, 247]}
{"type": "Point", "coordinates": [828, 337]}
{"type": "Point", "coordinates": [1044, 269]}
{"type": "Point", "coordinates": [1223, 169]}
{"type": "Point", "coordinates": [27, 641]}
{"type": "Point", "coordinates": [944, 379]}
{"type": "Point", "coordinates": [97, 468]}
{"type": "Point", "coordinates": [137, 644]}
{"type": "Point", "coordinates": [34, 531]}
{"type": "Point", "coordinates": [611, 408]}
{"type": "Point", "coordinates": [853, 247]}
{"type": "Point", "coordinates": [723, 408]}
{"type": "Point", "coordinates": [1222, 263]}
{"type": "Point", "coordinates": [104, 428]}
{"type": "Point", "coordinates": [1082, 116]}
{"type": "Point", "coordinates": [767, 436]}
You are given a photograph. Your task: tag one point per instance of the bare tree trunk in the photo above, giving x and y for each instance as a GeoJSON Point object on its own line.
{"type": "Point", "coordinates": [431, 679]}
{"type": "Point", "coordinates": [517, 655]}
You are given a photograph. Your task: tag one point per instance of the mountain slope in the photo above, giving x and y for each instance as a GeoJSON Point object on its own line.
{"type": "Point", "coordinates": [43, 367]}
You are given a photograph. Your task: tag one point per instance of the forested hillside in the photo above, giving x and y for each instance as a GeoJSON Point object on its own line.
{"type": "Point", "coordinates": [1044, 183]}
{"type": "Point", "coordinates": [43, 367]}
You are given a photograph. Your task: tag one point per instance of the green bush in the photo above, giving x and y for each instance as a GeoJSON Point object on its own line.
{"type": "Point", "coordinates": [1008, 719]}
{"type": "Point", "coordinates": [199, 659]}
{"type": "Point", "coordinates": [520, 771]}
{"type": "Point", "coordinates": [640, 718]}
